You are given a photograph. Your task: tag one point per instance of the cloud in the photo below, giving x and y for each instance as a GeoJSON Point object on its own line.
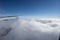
{"type": "Point", "coordinates": [31, 29]}
{"type": "Point", "coordinates": [44, 21]}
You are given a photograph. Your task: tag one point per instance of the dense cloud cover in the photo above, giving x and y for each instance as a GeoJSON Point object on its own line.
{"type": "Point", "coordinates": [20, 28]}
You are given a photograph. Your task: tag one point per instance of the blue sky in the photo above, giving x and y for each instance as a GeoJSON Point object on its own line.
{"type": "Point", "coordinates": [30, 7]}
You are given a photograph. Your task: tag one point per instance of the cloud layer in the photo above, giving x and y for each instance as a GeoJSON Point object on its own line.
{"type": "Point", "coordinates": [31, 29]}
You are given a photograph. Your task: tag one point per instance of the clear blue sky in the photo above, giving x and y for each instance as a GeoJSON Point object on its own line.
{"type": "Point", "coordinates": [30, 7]}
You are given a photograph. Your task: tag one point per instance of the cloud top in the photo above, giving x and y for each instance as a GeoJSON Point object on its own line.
{"type": "Point", "coordinates": [33, 29]}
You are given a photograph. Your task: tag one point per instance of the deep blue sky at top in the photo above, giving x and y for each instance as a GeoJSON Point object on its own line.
{"type": "Point", "coordinates": [30, 7]}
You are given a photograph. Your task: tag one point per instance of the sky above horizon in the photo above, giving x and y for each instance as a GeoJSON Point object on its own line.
{"type": "Point", "coordinates": [30, 7]}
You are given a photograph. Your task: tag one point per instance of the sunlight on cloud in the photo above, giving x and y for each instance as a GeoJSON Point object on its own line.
{"type": "Point", "coordinates": [31, 28]}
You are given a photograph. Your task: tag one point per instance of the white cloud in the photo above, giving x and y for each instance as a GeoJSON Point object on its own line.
{"type": "Point", "coordinates": [32, 29]}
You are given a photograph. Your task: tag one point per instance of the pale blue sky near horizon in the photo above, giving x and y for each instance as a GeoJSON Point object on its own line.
{"type": "Point", "coordinates": [44, 8]}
